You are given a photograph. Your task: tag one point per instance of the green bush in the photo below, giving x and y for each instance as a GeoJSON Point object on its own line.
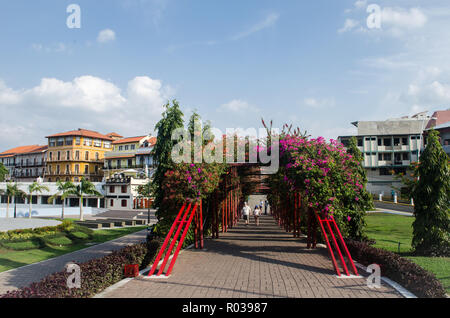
{"type": "Point", "coordinates": [77, 235]}
{"type": "Point", "coordinates": [25, 234]}
{"type": "Point", "coordinates": [22, 245]}
{"type": "Point", "coordinates": [59, 239]}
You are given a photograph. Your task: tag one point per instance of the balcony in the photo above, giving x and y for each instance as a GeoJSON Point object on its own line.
{"type": "Point", "coordinates": [63, 159]}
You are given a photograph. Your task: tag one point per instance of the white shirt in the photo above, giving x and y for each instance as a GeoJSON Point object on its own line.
{"type": "Point", "coordinates": [246, 210]}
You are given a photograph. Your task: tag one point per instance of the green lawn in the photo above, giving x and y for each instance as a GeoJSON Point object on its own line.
{"type": "Point", "coordinates": [389, 230]}
{"type": "Point", "coordinates": [12, 259]}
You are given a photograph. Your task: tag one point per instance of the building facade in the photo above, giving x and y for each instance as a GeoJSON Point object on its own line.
{"type": "Point", "coordinates": [389, 147]}
{"type": "Point", "coordinates": [121, 191]}
{"type": "Point", "coordinates": [31, 165]}
{"type": "Point", "coordinates": [24, 163]}
{"type": "Point", "coordinates": [76, 154]}
{"type": "Point", "coordinates": [129, 153]}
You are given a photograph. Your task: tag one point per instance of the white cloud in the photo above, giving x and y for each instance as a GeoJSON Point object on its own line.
{"type": "Point", "coordinates": [403, 19]}
{"type": "Point", "coordinates": [87, 102]}
{"type": "Point", "coordinates": [237, 105]}
{"type": "Point", "coordinates": [52, 48]}
{"type": "Point", "coordinates": [349, 25]}
{"type": "Point", "coordinates": [106, 35]}
{"type": "Point", "coordinates": [319, 102]}
{"type": "Point", "coordinates": [269, 21]}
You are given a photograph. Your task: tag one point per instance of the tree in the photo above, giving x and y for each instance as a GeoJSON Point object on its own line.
{"type": "Point", "coordinates": [35, 187]}
{"type": "Point", "coordinates": [3, 172]}
{"type": "Point", "coordinates": [172, 118]}
{"type": "Point", "coordinates": [85, 187]}
{"type": "Point", "coordinates": [64, 190]}
{"type": "Point", "coordinates": [431, 194]}
{"type": "Point", "coordinates": [14, 191]}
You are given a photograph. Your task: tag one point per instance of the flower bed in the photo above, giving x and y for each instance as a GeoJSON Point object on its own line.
{"type": "Point", "coordinates": [401, 270]}
{"type": "Point", "coordinates": [96, 274]}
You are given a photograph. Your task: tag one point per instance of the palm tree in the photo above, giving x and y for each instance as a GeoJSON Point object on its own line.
{"type": "Point", "coordinates": [85, 187]}
{"type": "Point", "coordinates": [35, 187]}
{"type": "Point", "coordinates": [14, 191]}
{"type": "Point", "coordinates": [64, 190]}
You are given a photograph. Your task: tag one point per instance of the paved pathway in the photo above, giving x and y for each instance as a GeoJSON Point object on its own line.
{"type": "Point", "coordinates": [25, 275]}
{"type": "Point", "coordinates": [10, 223]}
{"type": "Point", "coordinates": [252, 262]}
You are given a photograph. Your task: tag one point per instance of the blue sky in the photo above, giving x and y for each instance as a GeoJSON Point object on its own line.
{"type": "Point", "coordinates": [315, 64]}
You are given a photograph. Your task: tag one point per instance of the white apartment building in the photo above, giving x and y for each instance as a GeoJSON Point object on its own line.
{"type": "Point", "coordinates": [389, 146]}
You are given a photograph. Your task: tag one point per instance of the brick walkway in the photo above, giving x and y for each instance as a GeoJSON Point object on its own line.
{"type": "Point", "coordinates": [252, 262]}
{"type": "Point", "coordinates": [25, 275]}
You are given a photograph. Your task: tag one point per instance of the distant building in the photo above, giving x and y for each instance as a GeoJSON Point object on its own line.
{"type": "Point", "coordinates": [121, 192]}
{"type": "Point", "coordinates": [131, 153]}
{"type": "Point", "coordinates": [25, 163]}
{"type": "Point", "coordinates": [77, 154]}
{"type": "Point", "coordinates": [389, 146]}
{"type": "Point", "coordinates": [444, 135]}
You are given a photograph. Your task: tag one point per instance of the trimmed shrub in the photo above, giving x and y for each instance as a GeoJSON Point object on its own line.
{"type": "Point", "coordinates": [24, 234]}
{"type": "Point", "coordinates": [401, 270]}
{"type": "Point", "coordinates": [22, 245]}
{"type": "Point", "coordinates": [58, 239]}
{"type": "Point", "coordinates": [96, 274]}
{"type": "Point", "coordinates": [78, 236]}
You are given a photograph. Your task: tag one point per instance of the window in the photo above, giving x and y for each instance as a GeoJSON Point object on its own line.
{"type": "Point", "coordinates": [111, 189]}
{"type": "Point", "coordinates": [387, 142]}
{"type": "Point", "coordinates": [120, 148]}
{"type": "Point", "coordinates": [404, 141]}
{"type": "Point", "coordinates": [60, 142]}
{"type": "Point", "coordinates": [59, 155]}
{"type": "Point", "coordinates": [86, 169]}
{"type": "Point", "coordinates": [96, 169]}
{"type": "Point", "coordinates": [76, 179]}
{"type": "Point", "coordinates": [126, 147]}
{"type": "Point", "coordinates": [87, 141]}
{"type": "Point", "coordinates": [385, 172]}
{"type": "Point", "coordinates": [111, 202]}
{"type": "Point", "coordinates": [97, 143]}
{"type": "Point", "coordinates": [405, 156]}
{"type": "Point", "coordinates": [52, 142]}
{"type": "Point", "coordinates": [387, 156]}
{"type": "Point", "coordinates": [69, 141]}
{"type": "Point", "coordinates": [124, 189]}
{"type": "Point", "coordinates": [50, 156]}
{"type": "Point", "coordinates": [124, 203]}
{"type": "Point", "coordinates": [380, 157]}
{"type": "Point", "coordinates": [132, 147]}
{"type": "Point", "coordinates": [57, 169]}
{"type": "Point", "coordinates": [96, 156]}
{"type": "Point", "coordinates": [67, 169]}
{"type": "Point", "coordinates": [130, 163]}
{"type": "Point", "coordinates": [380, 141]}
{"type": "Point", "coordinates": [396, 141]}
{"type": "Point", "coordinates": [86, 155]}
{"type": "Point", "coordinates": [78, 141]}
{"type": "Point", "coordinates": [107, 144]}
{"type": "Point", "coordinates": [77, 169]}
{"type": "Point", "coordinates": [50, 169]}
{"type": "Point", "coordinates": [360, 142]}
{"type": "Point", "coordinates": [68, 155]}
{"type": "Point", "coordinates": [77, 155]}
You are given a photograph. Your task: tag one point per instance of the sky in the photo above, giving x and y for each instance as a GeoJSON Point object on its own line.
{"type": "Point", "coordinates": [316, 64]}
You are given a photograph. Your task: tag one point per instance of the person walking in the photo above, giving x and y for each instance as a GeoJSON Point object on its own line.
{"type": "Point", "coordinates": [266, 205]}
{"type": "Point", "coordinates": [256, 214]}
{"type": "Point", "coordinates": [246, 213]}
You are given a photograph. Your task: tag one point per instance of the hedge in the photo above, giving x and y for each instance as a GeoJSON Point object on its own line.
{"type": "Point", "coordinates": [401, 270]}
{"type": "Point", "coordinates": [96, 274]}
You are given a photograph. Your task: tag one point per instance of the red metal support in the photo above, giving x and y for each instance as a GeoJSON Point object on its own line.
{"type": "Point", "coordinates": [177, 251]}
{"type": "Point", "coordinates": [166, 241]}
{"type": "Point", "coordinates": [349, 257]}
{"type": "Point", "coordinates": [333, 259]}
{"type": "Point", "coordinates": [201, 225]}
{"type": "Point", "coordinates": [338, 250]}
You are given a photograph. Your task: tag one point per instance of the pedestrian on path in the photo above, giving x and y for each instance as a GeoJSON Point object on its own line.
{"type": "Point", "coordinates": [256, 214]}
{"type": "Point", "coordinates": [246, 212]}
{"type": "Point", "coordinates": [266, 205]}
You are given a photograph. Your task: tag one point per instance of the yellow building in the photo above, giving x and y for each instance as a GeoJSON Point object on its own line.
{"type": "Point", "coordinates": [75, 154]}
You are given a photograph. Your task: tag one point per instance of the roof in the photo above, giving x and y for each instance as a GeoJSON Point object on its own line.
{"type": "Point", "coordinates": [119, 157]}
{"type": "Point", "coordinates": [442, 126]}
{"type": "Point", "coordinates": [83, 133]}
{"type": "Point", "coordinates": [128, 140]}
{"type": "Point", "coordinates": [439, 117]}
{"type": "Point", "coordinates": [113, 134]}
{"type": "Point", "coordinates": [23, 150]}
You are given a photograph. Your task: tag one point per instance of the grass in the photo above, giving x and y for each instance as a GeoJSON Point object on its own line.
{"type": "Point", "coordinates": [389, 230]}
{"type": "Point", "coordinates": [10, 259]}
